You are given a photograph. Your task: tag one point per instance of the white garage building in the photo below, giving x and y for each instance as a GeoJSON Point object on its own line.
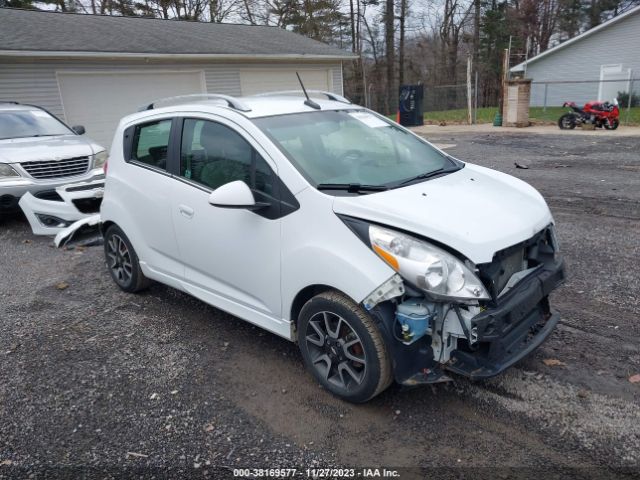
{"type": "Point", "coordinates": [91, 69]}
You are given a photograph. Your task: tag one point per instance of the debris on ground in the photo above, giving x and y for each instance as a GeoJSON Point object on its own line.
{"type": "Point", "coordinates": [635, 378]}
{"type": "Point", "coordinates": [62, 285]}
{"type": "Point", "coordinates": [519, 165]}
{"type": "Point", "coordinates": [553, 362]}
{"type": "Point", "coordinates": [135, 454]}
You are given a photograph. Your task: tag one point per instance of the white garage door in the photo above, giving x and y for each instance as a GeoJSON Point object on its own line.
{"type": "Point", "coordinates": [264, 80]}
{"type": "Point", "coordinates": [99, 100]}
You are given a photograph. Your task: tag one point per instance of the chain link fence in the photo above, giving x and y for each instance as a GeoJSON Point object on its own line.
{"type": "Point", "coordinates": [547, 97]}
{"type": "Point", "coordinates": [449, 103]}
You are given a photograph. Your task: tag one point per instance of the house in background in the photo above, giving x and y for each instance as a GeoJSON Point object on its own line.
{"type": "Point", "coordinates": [610, 52]}
{"type": "Point", "coordinates": [91, 70]}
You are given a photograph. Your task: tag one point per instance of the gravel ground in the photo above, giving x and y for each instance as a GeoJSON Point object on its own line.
{"type": "Point", "coordinates": [98, 383]}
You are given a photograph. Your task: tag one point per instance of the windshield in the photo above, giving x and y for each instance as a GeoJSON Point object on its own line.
{"type": "Point", "coordinates": [30, 123]}
{"type": "Point", "coordinates": [352, 147]}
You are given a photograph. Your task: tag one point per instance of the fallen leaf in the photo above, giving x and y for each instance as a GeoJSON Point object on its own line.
{"type": "Point", "coordinates": [635, 378]}
{"type": "Point", "coordinates": [553, 362]}
{"type": "Point", "coordinates": [6, 462]}
{"type": "Point", "coordinates": [62, 286]}
{"type": "Point", "coordinates": [209, 427]}
{"type": "Point", "coordinates": [26, 241]}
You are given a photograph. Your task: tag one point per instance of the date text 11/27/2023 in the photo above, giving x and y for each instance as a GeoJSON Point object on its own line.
{"type": "Point", "coordinates": [315, 473]}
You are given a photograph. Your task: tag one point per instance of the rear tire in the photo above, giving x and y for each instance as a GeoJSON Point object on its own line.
{"type": "Point", "coordinates": [612, 124]}
{"type": "Point", "coordinates": [342, 347]}
{"type": "Point", "coordinates": [567, 122]}
{"type": "Point", "coordinates": [122, 261]}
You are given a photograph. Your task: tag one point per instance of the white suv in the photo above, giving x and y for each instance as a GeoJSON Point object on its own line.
{"type": "Point", "coordinates": [327, 224]}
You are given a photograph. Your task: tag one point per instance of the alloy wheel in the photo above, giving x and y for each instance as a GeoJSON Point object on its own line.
{"type": "Point", "coordinates": [119, 259]}
{"type": "Point", "coordinates": [336, 350]}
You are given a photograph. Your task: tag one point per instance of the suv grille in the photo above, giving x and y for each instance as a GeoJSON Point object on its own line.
{"type": "Point", "coordinates": [68, 167]}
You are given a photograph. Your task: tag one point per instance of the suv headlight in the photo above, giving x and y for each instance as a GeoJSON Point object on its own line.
{"type": "Point", "coordinates": [99, 159]}
{"type": "Point", "coordinates": [425, 266]}
{"type": "Point", "coordinates": [7, 171]}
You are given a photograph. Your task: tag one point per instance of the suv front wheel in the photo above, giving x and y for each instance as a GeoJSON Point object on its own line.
{"type": "Point", "coordinates": [122, 261]}
{"type": "Point", "coordinates": [343, 348]}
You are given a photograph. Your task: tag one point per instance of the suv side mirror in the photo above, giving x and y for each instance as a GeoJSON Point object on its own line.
{"type": "Point", "coordinates": [79, 129]}
{"type": "Point", "coordinates": [235, 195]}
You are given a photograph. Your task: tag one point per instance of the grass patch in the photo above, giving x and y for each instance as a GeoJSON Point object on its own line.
{"type": "Point", "coordinates": [536, 115]}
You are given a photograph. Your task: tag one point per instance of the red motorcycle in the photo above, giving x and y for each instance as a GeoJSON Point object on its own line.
{"type": "Point", "coordinates": [600, 114]}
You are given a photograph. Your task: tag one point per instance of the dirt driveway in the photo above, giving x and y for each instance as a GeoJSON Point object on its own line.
{"type": "Point", "coordinates": [100, 383]}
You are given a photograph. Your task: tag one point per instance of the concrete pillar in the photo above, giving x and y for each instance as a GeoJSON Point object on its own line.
{"type": "Point", "coordinates": [517, 94]}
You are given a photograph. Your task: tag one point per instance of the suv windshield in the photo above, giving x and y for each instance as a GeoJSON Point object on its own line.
{"type": "Point", "coordinates": [30, 123]}
{"type": "Point", "coordinates": [353, 148]}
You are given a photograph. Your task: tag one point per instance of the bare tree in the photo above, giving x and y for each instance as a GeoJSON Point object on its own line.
{"type": "Point", "coordinates": [390, 53]}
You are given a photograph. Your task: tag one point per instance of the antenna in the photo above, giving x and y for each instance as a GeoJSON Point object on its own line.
{"type": "Point", "coordinates": [308, 102]}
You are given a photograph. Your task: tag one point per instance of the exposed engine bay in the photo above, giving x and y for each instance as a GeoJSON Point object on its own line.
{"type": "Point", "coordinates": [475, 338]}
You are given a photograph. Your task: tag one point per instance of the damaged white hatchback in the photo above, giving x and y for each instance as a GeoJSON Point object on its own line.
{"type": "Point", "coordinates": [323, 222]}
{"type": "Point", "coordinates": [48, 169]}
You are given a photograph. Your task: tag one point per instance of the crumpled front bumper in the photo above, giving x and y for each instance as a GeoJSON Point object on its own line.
{"type": "Point", "coordinates": [520, 322]}
{"type": "Point", "coordinates": [49, 212]}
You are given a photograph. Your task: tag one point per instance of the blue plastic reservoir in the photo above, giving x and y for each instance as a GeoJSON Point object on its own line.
{"type": "Point", "coordinates": [414, 318]}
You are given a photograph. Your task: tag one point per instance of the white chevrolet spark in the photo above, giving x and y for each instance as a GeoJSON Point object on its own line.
{"type": "Point", "coordinates": [325, 223]}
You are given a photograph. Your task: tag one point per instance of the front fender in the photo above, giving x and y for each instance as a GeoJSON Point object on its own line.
{"type": "Point", "coordinates": [325, 252]}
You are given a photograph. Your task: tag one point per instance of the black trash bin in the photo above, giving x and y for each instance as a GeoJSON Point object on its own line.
{"type": "Point", "coordinates": [410, 105]}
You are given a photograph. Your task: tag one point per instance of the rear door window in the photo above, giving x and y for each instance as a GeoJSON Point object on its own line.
{"type": "Point", "coordinates": [151, 143]}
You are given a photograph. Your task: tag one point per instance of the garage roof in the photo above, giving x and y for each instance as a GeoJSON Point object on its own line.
{"type": "Point", "coordinates": [38, 33]}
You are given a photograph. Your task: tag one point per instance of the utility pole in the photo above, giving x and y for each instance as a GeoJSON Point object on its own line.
{"type": "Point", "coordinates": [505, 76]}
{"type": "Point", "coordinates": [469, 101]}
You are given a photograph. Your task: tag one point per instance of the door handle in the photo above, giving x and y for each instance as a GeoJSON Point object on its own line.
{"type": "Point", "coordinates": [186, 211]}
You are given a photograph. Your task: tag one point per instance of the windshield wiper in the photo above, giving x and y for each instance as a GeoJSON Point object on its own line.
{"type": "Point", "coordinates": [352, 187]}
{"type": "Point", "coordinates": [432, 173]}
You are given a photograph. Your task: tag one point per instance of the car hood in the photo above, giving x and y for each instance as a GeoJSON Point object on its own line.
{"type": "Point", "coordinates": [17, 150]}
{"type": "Point", "coordinates": [476, 211]}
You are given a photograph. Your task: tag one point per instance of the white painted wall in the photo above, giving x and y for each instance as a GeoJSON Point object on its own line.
{"type": "Point", "coordinates": [583, 60]}
{"type": "Point", "coordinates": [37, 82]}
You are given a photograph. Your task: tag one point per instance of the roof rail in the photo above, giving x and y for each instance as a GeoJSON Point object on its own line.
{"type": "Point", "coordinates": [12, 102]}
{"type": "Point", "coordinates": [330, 95]}
{"type": "Point", "coordinates": [231, 101]}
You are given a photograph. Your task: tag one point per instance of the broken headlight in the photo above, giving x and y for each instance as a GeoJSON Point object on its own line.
{"type": "Point", "coordinates": [99, 159]}
{"type": "Point", "coordinates": [426, 266]}
{"type": "Point", "coordinates": [7, 171]}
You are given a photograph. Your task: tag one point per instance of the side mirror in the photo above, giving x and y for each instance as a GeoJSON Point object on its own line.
{"type": "Point", "coordinates": [79, 129]}
{"type": "Point", "coordinates": [235, 195]}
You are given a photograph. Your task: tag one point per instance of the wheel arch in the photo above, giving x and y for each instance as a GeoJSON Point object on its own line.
{"type": "Point", "coordinates": [105, 226]}
{"type": "Point", "coordinates": [303, 296]}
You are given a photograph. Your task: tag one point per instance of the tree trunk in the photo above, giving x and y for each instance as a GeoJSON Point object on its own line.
{"type": "Point", "coordinates": [389, 34]}
{"type": "Point", "coordinates": [401, 50]}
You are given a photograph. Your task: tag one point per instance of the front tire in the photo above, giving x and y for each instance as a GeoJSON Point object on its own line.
{"type": "Point", "coordinates": [343, 348]}
{"type": "Point", "coordinates": [122, 261]}
{"type": "Point", "coordinates": [612, 124]}
{"type": "Point", "coordinates": [567, 122]}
